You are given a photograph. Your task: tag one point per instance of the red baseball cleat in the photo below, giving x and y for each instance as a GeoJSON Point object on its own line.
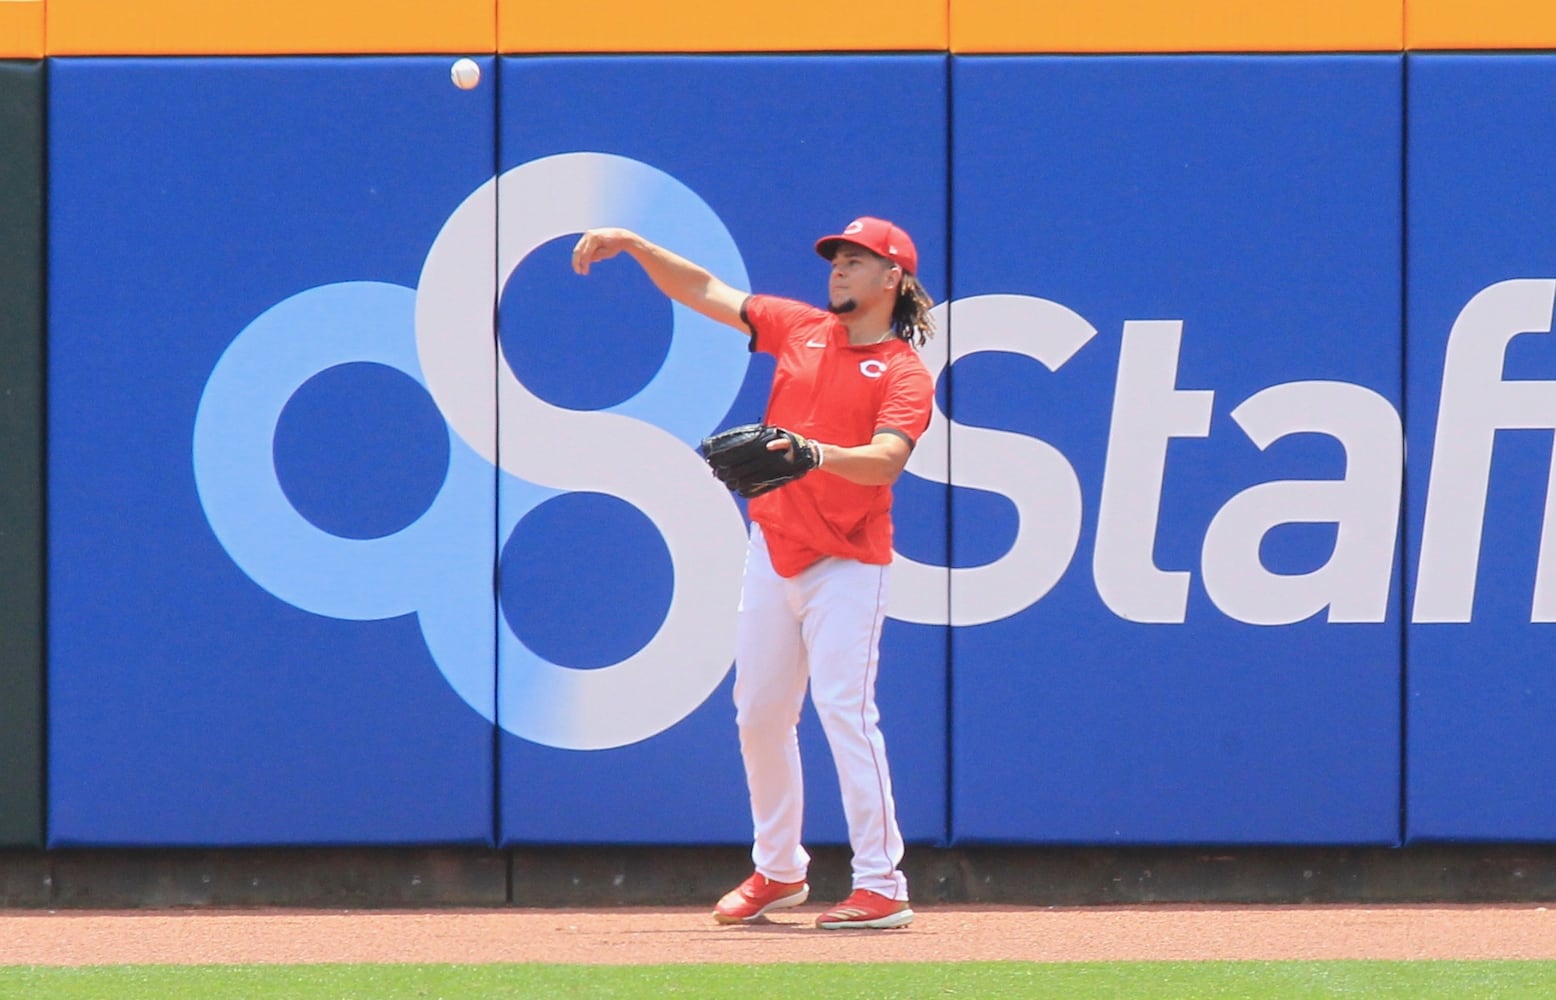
{"type": "Point", "coordinates": [864, 908]}
{"type": "Point", "coordinates": [755, 896]}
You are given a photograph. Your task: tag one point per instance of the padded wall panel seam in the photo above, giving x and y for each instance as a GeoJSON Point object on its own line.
{"type": "Point", "coordinates": [270, 552]}
{"type": "Point", "coordinates": [589, 572]}
{"type": "Point", "coordinates": [1482, 381]}
{"type": "Point", "coordinates": [1147, 221]}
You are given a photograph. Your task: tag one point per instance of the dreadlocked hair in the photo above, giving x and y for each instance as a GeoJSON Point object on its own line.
{"type": "Point", "coordinates": [910, 318]}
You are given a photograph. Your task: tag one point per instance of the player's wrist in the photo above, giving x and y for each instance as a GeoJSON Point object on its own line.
{"type": "Point", "coordinates": [816, 451]}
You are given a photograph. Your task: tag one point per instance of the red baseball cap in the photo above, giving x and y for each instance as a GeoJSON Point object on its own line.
{"type": "Point", "coordinates": [878, 236]}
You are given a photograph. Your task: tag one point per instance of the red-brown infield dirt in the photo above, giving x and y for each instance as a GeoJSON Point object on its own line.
{"type": "Point", "coordinates": [941, 933]}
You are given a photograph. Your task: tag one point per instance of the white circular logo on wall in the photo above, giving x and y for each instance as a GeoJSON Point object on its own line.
{"type": "Point", "coordinates": [441, 334]}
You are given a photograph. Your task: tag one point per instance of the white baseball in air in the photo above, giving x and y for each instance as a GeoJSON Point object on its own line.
{"type": "Point", "coordinates": [465, 73]}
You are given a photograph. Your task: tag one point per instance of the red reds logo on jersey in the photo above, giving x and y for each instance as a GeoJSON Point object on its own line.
{"type": "Point", "coordinates": [873, 368]}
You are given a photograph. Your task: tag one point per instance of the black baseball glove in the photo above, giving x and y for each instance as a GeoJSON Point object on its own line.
{"type": "Point", "coordinates": [741, 459]}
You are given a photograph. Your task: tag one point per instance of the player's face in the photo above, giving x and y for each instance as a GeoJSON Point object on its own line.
{"type": "Point", "coordinates": [860, 279]}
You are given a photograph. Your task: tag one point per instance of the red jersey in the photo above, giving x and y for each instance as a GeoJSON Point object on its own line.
{"type": "Point", "coordinates": [827, 389]}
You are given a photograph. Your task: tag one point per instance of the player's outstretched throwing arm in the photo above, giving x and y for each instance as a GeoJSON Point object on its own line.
{"type": "Point", "coordinates": [687, 283]}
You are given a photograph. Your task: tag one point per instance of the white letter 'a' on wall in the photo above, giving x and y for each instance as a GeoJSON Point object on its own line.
{"type": "Point", "coordinates": [1364, 506]}
{"type": "Point", "coordinates": [1031, 473]}
{"type": "Point", "coordinates": [1475, 403]}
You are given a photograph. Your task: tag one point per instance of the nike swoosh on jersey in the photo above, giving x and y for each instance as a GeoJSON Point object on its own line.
{"type": "Point", "coordinates": [812, 343]}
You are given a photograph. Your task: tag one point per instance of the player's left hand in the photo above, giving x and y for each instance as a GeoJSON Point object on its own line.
{"type": "Point", "coordinates": [758, 458]}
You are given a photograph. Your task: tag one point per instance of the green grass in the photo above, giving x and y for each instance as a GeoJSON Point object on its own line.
{"type": "Point", "coordinates": [981, 980]}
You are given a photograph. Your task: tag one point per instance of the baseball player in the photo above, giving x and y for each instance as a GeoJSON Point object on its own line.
{"type": "Point", "coordinates": [850, 386]}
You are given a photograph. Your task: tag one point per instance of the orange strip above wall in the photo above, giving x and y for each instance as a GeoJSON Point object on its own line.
{"type": "Point", "coordinates": [1480, 24]}
{"type": "Point", "coordinates": [21, 29]}
{"type": "Point", "coordinates": [694, 26]}
{"type": "Point", "coordinates": [1057, 26]}
{"type": "Point", "coordinates": [234, 27]}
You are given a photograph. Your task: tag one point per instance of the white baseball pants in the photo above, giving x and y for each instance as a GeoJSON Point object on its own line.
{"type": "Point", "coordinates": [822, 626]}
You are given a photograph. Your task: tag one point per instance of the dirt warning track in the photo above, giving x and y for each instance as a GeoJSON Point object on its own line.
{"type": "Point", "coordinates": [623, 936]}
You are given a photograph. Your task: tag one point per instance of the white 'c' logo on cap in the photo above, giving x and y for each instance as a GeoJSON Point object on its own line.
{"type": "Point", "coordinates": [853, 227]}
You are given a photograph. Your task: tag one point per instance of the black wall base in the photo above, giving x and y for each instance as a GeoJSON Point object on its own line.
{"type": "Point", "coordinates": [561, 877]}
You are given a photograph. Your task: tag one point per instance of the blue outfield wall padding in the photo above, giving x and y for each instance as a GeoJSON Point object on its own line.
{"type": "Point", "coordinates": [1482, 389]}
{"type": "Point", "coordinates": [618, 594]}
{"type": "Point", "coordinates": [1176, 294]}
{"type": "Point", "coordinates": [270, 558]}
